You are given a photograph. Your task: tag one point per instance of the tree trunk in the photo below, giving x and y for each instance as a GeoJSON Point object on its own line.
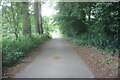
{"type": "Point", "coordinates": [36, 17]}
{"type": "Point", "coordinates": [40, 18]}
{"type": "Point", "coordinates": [89, 12]}
{"type": "Point", "coordinates": [26, 19]}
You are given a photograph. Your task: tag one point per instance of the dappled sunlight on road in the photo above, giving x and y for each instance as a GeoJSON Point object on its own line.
{"type": "Point", "coordinates": [55, 35]}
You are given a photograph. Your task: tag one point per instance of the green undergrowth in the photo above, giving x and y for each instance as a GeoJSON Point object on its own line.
{"type": "Point", "coordinates": [13, 50]}
{"type": "Point", "coordinates": [99, 41]}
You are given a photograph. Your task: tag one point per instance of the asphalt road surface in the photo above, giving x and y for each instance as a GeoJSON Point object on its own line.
{"type": "Point", "coordinates": [56, 60]}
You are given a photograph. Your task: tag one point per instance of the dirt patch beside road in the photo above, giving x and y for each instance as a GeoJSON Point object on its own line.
{"type": "Point", "coordinates": [102, 66]}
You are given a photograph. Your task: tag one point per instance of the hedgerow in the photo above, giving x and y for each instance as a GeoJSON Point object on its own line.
{"type": "Point", "coordinates": [13, 50]}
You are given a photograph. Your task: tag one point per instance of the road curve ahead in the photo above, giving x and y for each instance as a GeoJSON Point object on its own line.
{"type": "Point", "coordinates": [56, 60]}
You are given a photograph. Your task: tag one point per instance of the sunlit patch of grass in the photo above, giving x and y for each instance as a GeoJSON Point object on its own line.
{"type": "Point", "coordinates": [117, 66]}
{"type": "Point", "coordinates": [107, 60]}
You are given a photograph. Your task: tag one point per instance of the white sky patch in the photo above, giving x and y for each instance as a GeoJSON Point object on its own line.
{"type": "Point", "coordinates": [1, 5]}
{"type": "Point", "coordinates": [90, 16]}
{"type": "Point", "coordinates": [48, 10]}
{"type": "Point", "coordinates": [0, 8]}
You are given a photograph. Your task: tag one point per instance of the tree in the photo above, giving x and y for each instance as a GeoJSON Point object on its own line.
{"type": "Point", "coordinates": [102, 29]}
{"type": "Point", "coordinates": [26, 19]}
{"type": "Point", "coordinates": [11, 16]}
{"type": "Point", "coordinates": [38, 18]}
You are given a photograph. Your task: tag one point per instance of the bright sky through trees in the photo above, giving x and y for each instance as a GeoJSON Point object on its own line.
{"type": "Point", "coordinates": [48, 10]}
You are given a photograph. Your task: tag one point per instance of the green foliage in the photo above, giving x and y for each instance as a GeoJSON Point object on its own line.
{"type": "Point", "coordinates": [76, 24]}
{"type": "Point", "coordinates": [47, 25]}
{"type": "Point", "coordinates": [71, 26]}
{"type": "Point", "coordinates": [100, 41]}
{"type": "Point", "coordinates": [117, 66]}
{"type": "Point", "coordinates": [13, 50]}
{"type": "Point", "coordinates": [11, 18]}
{"type": "Point", "coordinates": [18, 28]}
{"type": "Point", "coordinates": [107, 60]}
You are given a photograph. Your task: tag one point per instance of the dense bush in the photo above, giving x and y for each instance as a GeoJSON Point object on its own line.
{"type": "Point", "coordinates": [13, 50]}
{"type": "Point", "coordinates": [100, 41]}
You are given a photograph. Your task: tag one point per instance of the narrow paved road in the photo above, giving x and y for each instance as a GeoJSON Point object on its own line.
{"type": "Point", "coordinates": [57, 60]}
